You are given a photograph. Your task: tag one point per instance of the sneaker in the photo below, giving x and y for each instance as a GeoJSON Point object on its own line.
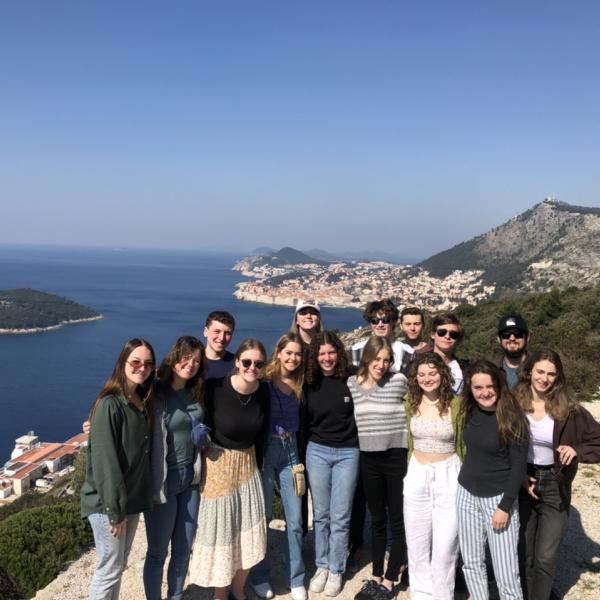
{"type": "Point", "coordinates": [334, 584]}
{"type": "Point", "coordinates": [299, 593]}
{"type": "Point", "coordinates": [382, 593]}
{"type": "Point", "coordinates": [367, 590]}
{"type": "Point", "coordinates": [263, 590]}
{"type": "Point", "coordinates": [318, 581]}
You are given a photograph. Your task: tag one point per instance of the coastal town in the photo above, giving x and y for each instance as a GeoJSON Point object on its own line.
{"type": "Point", "coordinates": [353, 284]}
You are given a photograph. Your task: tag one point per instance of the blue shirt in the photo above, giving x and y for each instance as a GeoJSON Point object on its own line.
{"type": "Point", "coordinates": [219, 368]}
{"type": "Point", "coordinates": [285, 411]}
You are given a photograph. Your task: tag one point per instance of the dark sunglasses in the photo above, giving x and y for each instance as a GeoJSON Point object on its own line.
{"type": "Point", "coordinates": [136, 363]}
{"type": "Point", "coordinates": [518, 335]}
{"type": "Point", "coordinates": [247, 363]}
{"type": "Point", "coordinates": [308, 311]}
{"type": "Point", "coordinates": [377, 320]}
{"type": "Point", "coordinates": [442, 332]}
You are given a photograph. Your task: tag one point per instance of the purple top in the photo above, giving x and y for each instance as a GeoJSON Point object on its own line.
{"type": "Point", "coordinates": [285, 411]}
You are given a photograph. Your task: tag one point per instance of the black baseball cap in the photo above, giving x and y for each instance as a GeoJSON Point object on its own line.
{"type": "Point", "coordinates": [516, 322]}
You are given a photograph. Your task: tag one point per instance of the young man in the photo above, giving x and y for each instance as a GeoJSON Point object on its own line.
{"type": "Point", "coordinates": [446, 335]}
{"type": "Point", "coordinates": [218, 332]}
{"type": "Point", "coordinates": [513, 337]}
{"type": "Point", "coordinates": [382, 316]}
{"type": "Point", "coordinates": [412, 322]}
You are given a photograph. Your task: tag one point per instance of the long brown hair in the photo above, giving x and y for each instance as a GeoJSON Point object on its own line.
{"type": "Point", "coordinates": [372, 348]}
{"type": "Point", "coordinates": [117, 382]}
{"type": "Point", "coordinates": [183, 347]}
{"type": "Point", "coordinates": [512, 425]}
{"type": "Point", "coordinates": [273, 370]}
{"type": "Point", "coordinates": [445, 391]}
{"type": "Point", "coordinates": [313, 370]}
{"type": "Point", "coordinates": [560, 401]}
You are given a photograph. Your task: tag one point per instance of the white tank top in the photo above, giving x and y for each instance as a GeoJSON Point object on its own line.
{"type": "Point", "coordinates": [541, 450]}
{"type": "Point", "coordinates": [432, 437]}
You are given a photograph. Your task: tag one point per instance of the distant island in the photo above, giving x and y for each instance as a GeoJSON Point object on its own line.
{"type": "Point", "coordinates": [31, 311]}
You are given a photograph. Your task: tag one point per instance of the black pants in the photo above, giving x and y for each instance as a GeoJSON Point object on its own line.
{"type": "Point", "coordinates": [383, 474]}
{"type": "Point", "coordinates": [543, 524]}
{"type": "Point", "coordinates": [359, 514]}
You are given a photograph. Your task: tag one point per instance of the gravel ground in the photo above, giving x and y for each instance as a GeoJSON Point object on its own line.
{"type": "Point", "coordinates": [578, 576]}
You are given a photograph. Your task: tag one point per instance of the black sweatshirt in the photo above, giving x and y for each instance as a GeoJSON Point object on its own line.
{"type": "Point", "coordinates": [328, 414]}
{"type": "Point", "coordinates": [490, 468]}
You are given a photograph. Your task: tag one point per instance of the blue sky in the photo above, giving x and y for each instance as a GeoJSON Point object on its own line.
{"type": "Point", "coordinates": [399, 126]}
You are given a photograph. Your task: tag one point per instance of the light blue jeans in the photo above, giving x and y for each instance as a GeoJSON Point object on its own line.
{"type": "Point", "coordinates": [174, 523]}
{"type": "Point", "coordinates": [332, 474]}
{"type": "Point", "coordinates": [113, 553]}
{"type": "Point", "coordinates": [279, 456]}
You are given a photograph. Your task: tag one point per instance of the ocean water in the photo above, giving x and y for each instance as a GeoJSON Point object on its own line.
{"type": "Point", "coordinates": [48, 380]}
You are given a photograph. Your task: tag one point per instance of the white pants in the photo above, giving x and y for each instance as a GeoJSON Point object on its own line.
{"type": "Point", "coordinates": [431, 527]}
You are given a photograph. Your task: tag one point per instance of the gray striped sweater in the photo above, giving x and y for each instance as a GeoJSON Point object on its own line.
{"type": "Point", "coordinates": [379, 414]}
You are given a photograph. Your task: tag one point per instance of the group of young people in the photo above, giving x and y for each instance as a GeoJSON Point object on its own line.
{"type": "Point", "coordinates": [447, 456]}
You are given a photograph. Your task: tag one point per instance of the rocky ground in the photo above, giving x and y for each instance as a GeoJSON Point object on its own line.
{"type": "Point", "coordinates": [578, 576]}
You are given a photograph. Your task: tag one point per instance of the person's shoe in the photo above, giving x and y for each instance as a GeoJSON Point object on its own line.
{"type": "Point", "coordinates": [382, 593]}
{"type": "Point", "coordinates": [334, 584]}
{"type": "Point", "coordinates": [299, 593]}
{"type": "Point", "coordinates": [263, 590]}
{"type": "Point", "coordinates": [367, 590]}
{"type": "Point", "coordinates": [318, 581]}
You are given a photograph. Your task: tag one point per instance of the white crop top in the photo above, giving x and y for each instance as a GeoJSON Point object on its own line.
{"type": "Point", "coordinates": [541, 449]}
{"type": "Point", "coordinates": [432, 437]}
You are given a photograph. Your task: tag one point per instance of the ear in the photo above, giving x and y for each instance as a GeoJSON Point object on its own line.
{"type": "Point", "coordinates": [205, 332]}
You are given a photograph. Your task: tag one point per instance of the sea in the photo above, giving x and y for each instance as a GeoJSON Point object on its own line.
{"type": "Point", "coordinates": [48, 380]}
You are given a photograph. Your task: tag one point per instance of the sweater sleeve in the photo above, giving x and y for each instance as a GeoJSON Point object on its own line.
{"type": "Point", "coordinates": [105, 437]}
{"type": "Point", "coordinates": [588, 443]}
{"type": "Point", "coordinates": [518, 468]}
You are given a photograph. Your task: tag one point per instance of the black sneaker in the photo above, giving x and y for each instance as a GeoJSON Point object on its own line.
{"type": "Point", "coordinates": [367, 590]}
{"type": "Point", "coordinates": [382, 593]}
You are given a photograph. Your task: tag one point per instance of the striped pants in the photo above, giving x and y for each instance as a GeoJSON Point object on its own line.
{"type": "Point", "coordinates": [474, 527]}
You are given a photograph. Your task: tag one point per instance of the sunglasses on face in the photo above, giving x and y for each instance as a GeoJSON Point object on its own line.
{"type": "Point", "coordinates": [247, 363]}
{"type": "Point", "coordinates": [136, 363]}
{"type": "Point", "coordinates": [442, 332]}
{"type": "Point", "coordinates": [518, 335]}
{"type": "Point", "coordinates": [377, 320]}
{"type": "Point", "coordinates": [308, 311]}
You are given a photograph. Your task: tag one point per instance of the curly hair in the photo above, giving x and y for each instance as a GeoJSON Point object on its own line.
{"type": "Point", "coordinates": [560, 401]}
{"type": "Point", "coordinates": [181, 349]}
{"type": "Point", "coordinates": [512, 424]}
{"type": "Point", "coordinates": [313, 371]}
{"type": "Point", "coordinates": [445, 392]}
{"type": "Point", "coordinates": [385, 306]}
{"type": "Point", "coordinates": [273, 369]}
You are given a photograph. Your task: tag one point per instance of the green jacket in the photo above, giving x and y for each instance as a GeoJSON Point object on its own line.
{"type": "Point", "coordinates": [118, 479]}
{"type": "Point", "coordinates": [457, 426]}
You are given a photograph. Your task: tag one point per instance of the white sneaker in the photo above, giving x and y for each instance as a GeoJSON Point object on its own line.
{"type": "Point", "coordinates": [334, 584]}
{"type": "Point", "coordinates": [263, 590]}
{"type": "Point", "coordinates": [318, 581]}
{"type": "Point", "coordinates": [299, 593]}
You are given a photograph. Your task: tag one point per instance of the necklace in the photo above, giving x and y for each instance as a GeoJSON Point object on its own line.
{"type": "Point", "coordinates": [244, 401]}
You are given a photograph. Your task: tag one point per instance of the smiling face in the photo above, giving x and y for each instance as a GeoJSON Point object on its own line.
{"type": "Point", "coordinates": [428, 378]}
{"type": "Point", "coordinates": [513, 342]}
{"type": "Point", "coordinates": [327, 359]}
{"type": "Point", "coordinates": [290, 358]}
{"type": "Point", "coordinates": [139, 366]}
{"type": "Point", "coordinates": [188, 366]}
{"type": "Point", "coordinates": [445, 338]}
{"type": "Point", "coordinates": [218, 336]}
{"type": "Point", "coordinates": [412, 326]}
{"type": "Point", "coordinates": [381, 325]}
{"type": "Point", "coordinates": [250, 365]}
{"type": "Point", "coordinates": [380, 365]}
{"type": "Point", "coordinates": [543, 376]}
{"type": "Point", "coordinates": [308, 319]}
{"type": "Point", "coordinates": [483, 390]}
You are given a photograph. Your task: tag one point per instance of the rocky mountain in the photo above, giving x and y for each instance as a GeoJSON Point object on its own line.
{"type": "Point", "coordinates": [554, 244]}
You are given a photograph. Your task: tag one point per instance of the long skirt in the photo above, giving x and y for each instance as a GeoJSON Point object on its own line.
{"type": "Point", "coordinates": [232, 533]}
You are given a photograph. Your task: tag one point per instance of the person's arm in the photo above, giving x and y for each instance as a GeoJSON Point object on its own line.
{"type": "Point", "coordinates": [260, 444]}
{"type": "Point", "coordinates": [105, 440]}
{"type": "Point", "coordinates": [518, 468]}
{"type": "Point", "coordinates": [587, 447]}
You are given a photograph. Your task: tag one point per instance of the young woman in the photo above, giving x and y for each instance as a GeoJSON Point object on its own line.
{"type": "Point", "coordinates": [382, 436]}
{"type": "Point", "coordinates": [284, 376]}
{"type": "Point", "coordinates": [563, 434]}
{"type": "Point", "coordinates": [232, 536]}
{"type": "Point", "coordinates": [175, 467]}
{"type": "Point", "coordinates": [118, 479]}
{"type": "Point", "coordinates": [436, 448]}
{"type": "Point", "coordinates": [331, 457]}
{"type": "Point", "coordinates": [496, 439]}
{"type": "Point", "coordinates": [307, 321]}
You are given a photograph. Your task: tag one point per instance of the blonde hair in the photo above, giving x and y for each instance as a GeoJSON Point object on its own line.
{"type": "Point", "coordinates": [273, 370]}
{"type": "Point", "coordinates": [372, 348]}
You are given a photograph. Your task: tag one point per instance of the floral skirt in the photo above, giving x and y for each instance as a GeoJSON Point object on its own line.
{"type": "Point", "coordinates": [232, 533]}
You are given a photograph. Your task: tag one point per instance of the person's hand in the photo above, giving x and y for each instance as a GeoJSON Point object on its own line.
{"type": "Point", "coordinates": [529, 484]}
{"type": "Point", "coordinates": [200, 434]}
{"type": "Point", "coordinates": [119, 529]}
{"type": "Point", "coordinates": [500, 519]}
{"type": "Point", "coordinates": [566, 454]}
{"type": "Point", "coordinates": [86, 426]}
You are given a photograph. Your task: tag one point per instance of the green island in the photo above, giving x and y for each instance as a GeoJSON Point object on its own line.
{"type": "Point", "coordinates": [30, 311]}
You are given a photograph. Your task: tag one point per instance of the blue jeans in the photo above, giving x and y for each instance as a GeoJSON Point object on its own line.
{"type": "Point", "coordinates": [173, 522]}
{"type": "Point", "coordinates": [279, 457]}
{"type": "Point", "coordinates": [332, 473]}
{"type": "Point", "coordinates": [113, 553]}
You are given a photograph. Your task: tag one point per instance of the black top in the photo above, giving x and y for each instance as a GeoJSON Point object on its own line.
{"type": "Point", "coordinates": [328, 414]}
{"type": "Point", "coordinates": [219, 367]}
{"type": "Point", "coordinates": [237, 421]}
{"type": "Point", "coordinates": [490, 468]}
